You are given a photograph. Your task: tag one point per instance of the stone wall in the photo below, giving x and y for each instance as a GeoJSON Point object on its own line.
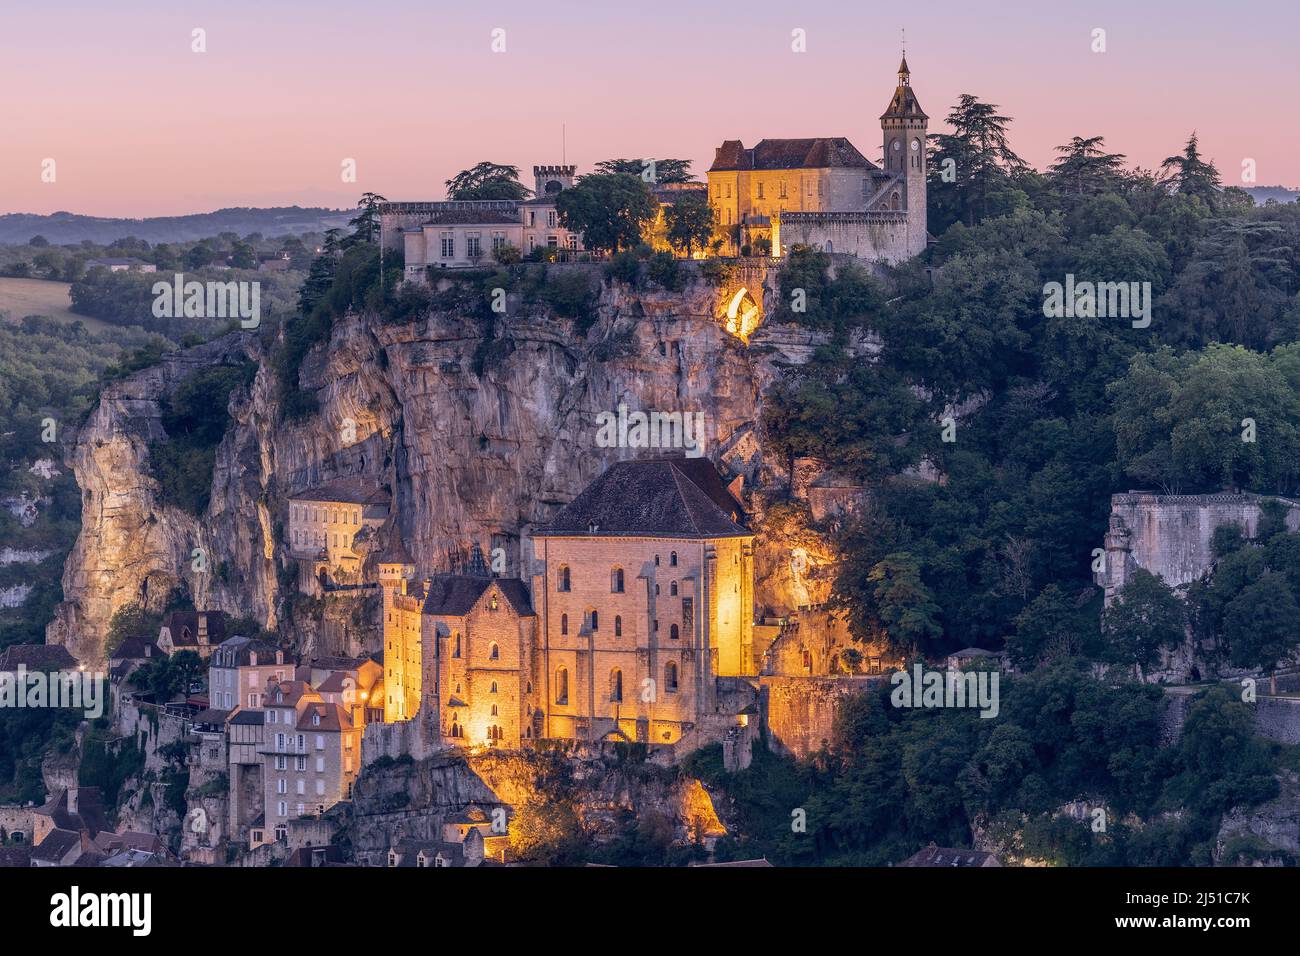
{"type": "Point", "coordinates": [17, 820]}
{"type": "Point", "coordinates": [799, 712]}
{"type": "Point", "coordinates": [1170, 535]}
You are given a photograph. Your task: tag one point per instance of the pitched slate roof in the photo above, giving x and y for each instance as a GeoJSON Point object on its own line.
{"type": "Point", "coordinates": [354, 491]}
{"type": "Point", "coordinates": [333, 718]}
{"type": "Point", "coordinates": [179, 622]}
{"type": "Point", "coordinates": [822, 152]}
{"type": "Point", "coordinates": [949, 856]}
{"type": "Point", "coordinates": [89, 816]}
{"type": "Point", "coordinates": [903, 104]}
{"type": "Point", "coordinates": [454, 595]}
{"type": "Point", "coordinates": [135, 648]}
{"type": "Point", "coordinates": [36, 657]}
{"type": "Point", "coordinates": [56, 845]}
{"type": "Point", "coordinates": [652, 498]}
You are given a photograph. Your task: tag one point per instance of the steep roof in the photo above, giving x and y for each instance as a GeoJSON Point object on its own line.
{"type": "Point", "coordinates": [454, 595]}
{"type": "Point", "coordinates": [36, 657]}
{"type": "Point", "coordinates": [89, 815]}
{"type": "Point", "coordinates": [135, 648]}
{"type": "Point", "coordinates": [354, 491]}
{"type": "Point", "coordinates": [903, 104]}
{"type": "Point", "coordinates": [821, 152]}
{"type": "Point", "coordinates": [652, 498]}
{"type": "Point", "coordinates": [950, 856]}
{"type": "Point", "coordinates": [178, 623]}
{"type": "Point", "coordinates": [56, 845]}
{"type": "Point", "coordinates": [333, 718]}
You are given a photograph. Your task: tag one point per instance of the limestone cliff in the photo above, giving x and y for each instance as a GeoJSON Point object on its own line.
{"type": "Point", "coordinates": [479, 428]}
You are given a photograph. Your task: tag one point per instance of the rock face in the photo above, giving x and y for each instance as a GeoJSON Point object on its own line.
{"type": "Point", "coordinates": [480, 429]}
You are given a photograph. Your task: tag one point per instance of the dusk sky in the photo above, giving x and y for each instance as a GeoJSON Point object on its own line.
{"type": "Point", "coordinates": [139, 125]}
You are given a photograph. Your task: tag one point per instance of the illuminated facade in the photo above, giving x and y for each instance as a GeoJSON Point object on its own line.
{"type": "Point", "coordinates": [823, 193]}
{"type": "Point", "coordinates": [641, 596]}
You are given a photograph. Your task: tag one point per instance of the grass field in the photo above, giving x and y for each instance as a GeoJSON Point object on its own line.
{"type": "Point", "coordinates": [20, 297]}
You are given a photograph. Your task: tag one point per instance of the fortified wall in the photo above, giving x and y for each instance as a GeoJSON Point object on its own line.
{"type": "Point", "coordinates": [1170, 535]}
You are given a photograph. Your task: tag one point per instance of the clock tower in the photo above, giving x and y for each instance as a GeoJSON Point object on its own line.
{"type": "Point", "coordinates": [904, 126]}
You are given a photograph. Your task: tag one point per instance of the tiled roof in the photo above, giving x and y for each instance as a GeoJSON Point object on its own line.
{"type": "Point", "coordinates": [355, 490]}
{"type": "Point", "coordinates": [470, 217]}
{"type": "Point", "coordinates": [56, 845]}
{"type": "Point", "coordinates": [136, 648]}
{"type": "Point", "coordinates": [948, 856]}
{"type": "Point", "coordinates": [89, 815]}
{"type": "Point", "coordinates": [333, 718]}
{"type": "Point", "coordinates": [178, 623]}
{"type": "Point", "coordinates": [237, 652]}
{"type": "Point", "coordinates": [36, 657]}
{"type": "Point", "coordinates": [454, 595]}
{"type": "Point", "coordinates": [823, 152]}
{"type": "Point", "coordinates": [652, 498]}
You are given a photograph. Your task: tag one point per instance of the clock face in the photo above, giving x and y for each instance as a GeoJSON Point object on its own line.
{"type": "Point", "coordinates": [897, 145]}
{"type": "Point", "coordinates": [916, 144]}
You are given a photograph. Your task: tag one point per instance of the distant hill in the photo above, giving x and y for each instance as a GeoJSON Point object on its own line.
{"type": "Point", "coordinates": [1261, 194]}
{"type": "Point", "coordinates": [66, 227]}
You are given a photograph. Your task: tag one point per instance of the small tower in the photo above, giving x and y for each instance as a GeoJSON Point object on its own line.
{"type": "Point", "coordinates": [552, 179]}
{"type": "Point", "coordinates": [904, 125]}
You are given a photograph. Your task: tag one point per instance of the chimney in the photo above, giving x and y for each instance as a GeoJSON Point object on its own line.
{"type": "Point", "coordinates": [203, 628]}
{"type": "Point", "coordinates": [279, 657]}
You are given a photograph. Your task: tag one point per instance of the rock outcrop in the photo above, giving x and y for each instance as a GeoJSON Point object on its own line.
{"type": "Point", "coordinates": [480, 429]}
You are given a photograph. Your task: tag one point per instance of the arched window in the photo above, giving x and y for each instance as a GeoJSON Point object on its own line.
{"type": "Point", "coordinates": [670, 678]}
{"type": "Point", "coordinates": [656, 590]}
{"type": "Point", "coordinates": [455, 645]}
{"type": "Point", "coordinates": [455, 729]}
{"type": "Point", "coordinates": [593, 619]}
{"type": "Point", "coordinates": [562, 685]}
{"type": "Point", "coordinates": [616, 685]}
{"type": "Point", "coordinates": [807, 660]}
{"type": "Point", "coordinates": [564, 624]}
{"type": "Point", "coordinates": [494, 652]}
{"type": "Point", "coordinates": [672, 589]}
{"type": "Point", "coordinates": [618, 625]}
{"type": "Point", "coordinates": [495, 733]}
{"type": "Point", "coordinates": [672, 559]}
{"type": "Point", "coordinates": [673, 633]}
{"type": "Point", "coordinates": [616, 584]}
{"type": "Point", "coordinates": [564, 583]}
{"type": "Point", "coordinates": [494, 710]}
{"type": "Point", "coordinates": [494, 687]}
{"type": "Point", "coordinates": [656, 560]}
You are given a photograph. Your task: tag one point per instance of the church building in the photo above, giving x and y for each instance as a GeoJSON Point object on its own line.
{"type": "Point", "coordinates": [824, 193]}
{"type": "Point", "coordinates": [639, 596]}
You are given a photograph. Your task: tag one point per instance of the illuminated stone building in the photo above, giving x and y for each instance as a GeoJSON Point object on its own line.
{"type": "Point", "coordinates": [324, 523]}
{"type": "Point", "coordinates": [641, 599]}
{"type": "Point", "coordinates": [822, 192]}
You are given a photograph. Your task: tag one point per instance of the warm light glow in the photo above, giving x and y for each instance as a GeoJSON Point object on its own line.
{"type": "Point", "coordinates": [742, 323]}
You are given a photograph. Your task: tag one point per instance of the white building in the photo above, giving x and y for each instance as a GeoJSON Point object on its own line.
{"type": "Point", "coordinates": [465, 233]}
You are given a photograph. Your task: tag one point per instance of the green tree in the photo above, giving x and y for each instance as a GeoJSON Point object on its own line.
{"type": "Point", "coordinates": [665, 171]}
{"type": "Point", "coordinates": [1084, 167]}
{"type": "Point", "coordinates": [611, 210]}
{"type": "Point", "coordinates": [487, 180]}
{"type": "Point", "coordinates": [1145, 618]}
{"type": "Point", "coordinates": [1187, 173]}
{"type": "Point", "coordinates": [690, 223]}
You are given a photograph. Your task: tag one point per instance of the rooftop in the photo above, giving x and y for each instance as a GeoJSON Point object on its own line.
{"type": "Point", "coordinates": [355, 490]}
{"type": "Point", "coordinates": [823, 152]}
{"type": "Point", "coordinates": [652, 498]}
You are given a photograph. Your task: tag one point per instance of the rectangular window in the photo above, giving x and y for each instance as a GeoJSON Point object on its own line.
{"type": "Point", "coordinates": [320, 742]}
{"type": "Point", "coordinates": [320, 788]}
{"type": "Point", "coordinates": [283, 808]}
{"type": "Point", "coordinates": [688, 611]}
{"type": "Point", "coordinates": [551, 219]}
{"type": "Point", "coordinates": [760, 190]}
{"type": "Point", "coordinates": [552, 242]}
{"type": "Point", "coordinates": [320, 764]}
{"type": "Point", "coordinates": [783, 192]}
{"type": "Point", "coordinates": [302, 787]}
{"type": "Point", "coordinates": [498, 240]}
{"type": "Point", "coordinates": [448, 245]}
{"type": "Point", "coordinates": [472, 247]}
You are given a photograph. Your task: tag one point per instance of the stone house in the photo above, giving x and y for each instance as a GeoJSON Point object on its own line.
{"type": "Point", "coordinates": [198, 631]}
{"type": "Point", "coordinates": [239, 669]}
{"type": "Point", "coordinates": [326, 522]}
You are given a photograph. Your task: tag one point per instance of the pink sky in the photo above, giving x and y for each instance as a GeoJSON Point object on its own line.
{"type": "Point", "coordinates": [141, 126]}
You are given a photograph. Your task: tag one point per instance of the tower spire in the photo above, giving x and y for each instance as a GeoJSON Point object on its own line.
{"type": "Point", "coordinates": [904, 74]}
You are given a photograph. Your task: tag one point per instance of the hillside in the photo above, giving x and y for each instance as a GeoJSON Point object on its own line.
{"type": "Point", "coordinates": [66, 227]}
